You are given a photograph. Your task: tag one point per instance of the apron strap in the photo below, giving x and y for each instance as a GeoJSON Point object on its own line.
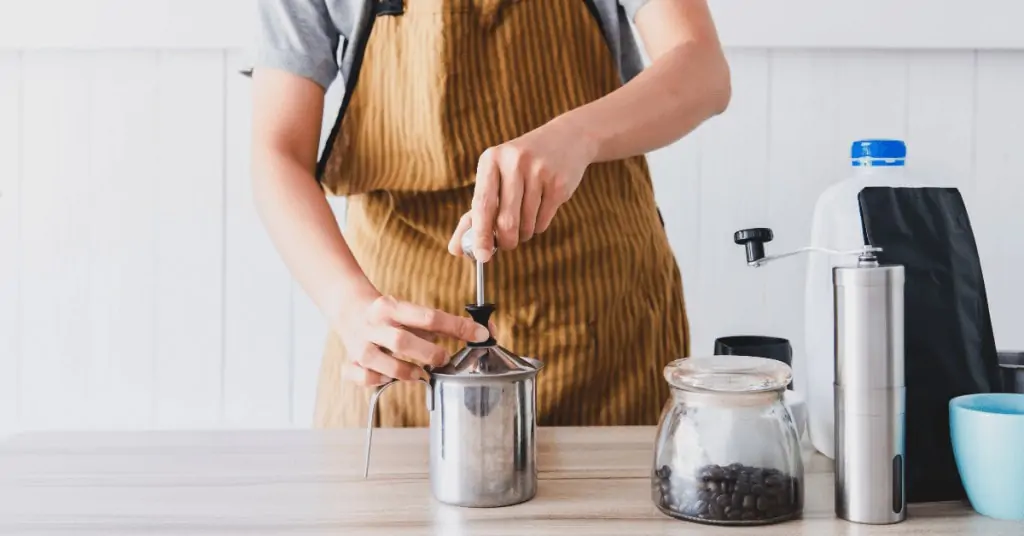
{"type": "Point", "coordinates": [390, 7]}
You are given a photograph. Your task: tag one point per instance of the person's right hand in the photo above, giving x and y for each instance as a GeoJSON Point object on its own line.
{"type": "Point", "coordinates": [389, 339]}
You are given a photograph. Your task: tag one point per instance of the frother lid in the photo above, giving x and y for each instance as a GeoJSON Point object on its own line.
{"type": "Point", "coordinates": [486, 361]}
{"type": "Point", "coordinates": [486, 358]}
{"type": "Point", "coordinates": [728, 374]}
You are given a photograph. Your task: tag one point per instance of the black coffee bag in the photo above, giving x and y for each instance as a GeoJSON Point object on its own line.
{"type": "Point", "coordinates": [949, 346]}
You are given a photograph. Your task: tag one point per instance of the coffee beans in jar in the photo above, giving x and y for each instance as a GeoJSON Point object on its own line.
{"type": "Point", "coordinates": [733, 494]}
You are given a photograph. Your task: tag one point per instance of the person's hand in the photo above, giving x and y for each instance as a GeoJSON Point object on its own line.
{"type": "Point", "coordinates": [387, 339]}
{"type": "Point", "coordinates": [521, 184]}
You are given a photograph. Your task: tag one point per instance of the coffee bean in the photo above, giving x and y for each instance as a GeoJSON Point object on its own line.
{"type": "Point", "coordinates": [730, 493]}
{"type": "Point", "coordinates": [785, 499]}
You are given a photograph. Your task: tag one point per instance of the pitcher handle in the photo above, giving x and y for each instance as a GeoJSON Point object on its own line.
{"type": "Point", "coordinates": [373, 411]}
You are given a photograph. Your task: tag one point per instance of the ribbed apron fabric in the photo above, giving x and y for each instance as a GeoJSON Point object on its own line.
{"type": "Point", "coordinates": [598, 297]}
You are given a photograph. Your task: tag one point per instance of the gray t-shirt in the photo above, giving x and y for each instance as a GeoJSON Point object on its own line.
{"type": "Point", "coordinates": [311, 38]}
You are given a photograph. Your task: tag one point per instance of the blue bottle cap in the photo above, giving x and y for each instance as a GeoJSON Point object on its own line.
{"type": "Point", "coordinates": [878, 152]}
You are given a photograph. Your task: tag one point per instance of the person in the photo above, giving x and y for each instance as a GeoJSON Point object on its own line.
{"type": "Point", "coordinates": [525, 120]}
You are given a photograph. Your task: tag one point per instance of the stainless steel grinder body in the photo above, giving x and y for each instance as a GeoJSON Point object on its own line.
{"type": "Point", "coordinates": [869, 392]}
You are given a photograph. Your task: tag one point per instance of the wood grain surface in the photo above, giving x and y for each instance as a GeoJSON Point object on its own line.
{"type": "Point", "coordinates": [594, 481]}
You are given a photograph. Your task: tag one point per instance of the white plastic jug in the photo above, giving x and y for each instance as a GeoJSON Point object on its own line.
{"type": "Point", "coordinates": [837, 226]}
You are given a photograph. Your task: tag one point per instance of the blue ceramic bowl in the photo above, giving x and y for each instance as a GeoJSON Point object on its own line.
{"type": "Point", "coordinates": [988, 437]}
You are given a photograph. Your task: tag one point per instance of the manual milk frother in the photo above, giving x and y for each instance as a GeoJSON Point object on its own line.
{"type": "Point", "coordinates": [483, 419]}
{"type": "Point", "coordinates": [869, 384]}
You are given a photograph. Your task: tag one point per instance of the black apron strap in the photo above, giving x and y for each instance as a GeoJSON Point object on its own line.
{"type": "Point", "coordinates": [391, 7]}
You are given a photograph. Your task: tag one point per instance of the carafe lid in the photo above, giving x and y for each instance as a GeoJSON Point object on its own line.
{"type": "Point", "coordinates": [728, 374]}
{"type": "Point", "coordinates": [486, 358]}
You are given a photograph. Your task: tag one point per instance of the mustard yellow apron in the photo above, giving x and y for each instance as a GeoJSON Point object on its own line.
{"type": "Point", "coordinates": [598, 297]}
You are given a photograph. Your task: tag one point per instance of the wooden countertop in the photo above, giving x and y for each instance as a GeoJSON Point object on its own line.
{"type": "Point", "coordinates": [594, 481]}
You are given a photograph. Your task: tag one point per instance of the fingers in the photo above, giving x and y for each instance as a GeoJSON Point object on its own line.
{"type": "Point", "coordinates": [423, 334]}
{"type": "Point", "coordinates": [531, 207]}
{"type": "Point", "coordinates": [485, 205]}
{"type": "Point", "coordinates": [374, 360]}
{"type": "Point", "coordinates": [548, 207]}
{"type": "Point", "coordinates": [407, 345]}
{"type": "Point", "coordinates": [355, 373]}
{"type": "Point", "coordinates": [455, 244]}
{"type": "Point", "coordinates": [440, 322]}
{"type": "Point", "coordinates": [510, 201]}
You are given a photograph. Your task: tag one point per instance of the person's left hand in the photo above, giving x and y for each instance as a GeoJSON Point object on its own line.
{"type": "Point", "coordinates": [520, 185]}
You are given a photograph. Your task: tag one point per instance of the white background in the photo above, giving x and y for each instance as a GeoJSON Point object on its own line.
{"type": "Point", "coordinates": [138, 289]}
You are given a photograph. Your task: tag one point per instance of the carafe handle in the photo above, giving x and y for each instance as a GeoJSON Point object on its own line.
{"type": "Point", "coordinates": [373, 412]}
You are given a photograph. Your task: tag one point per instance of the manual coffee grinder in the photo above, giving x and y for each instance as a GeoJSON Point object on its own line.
{"type": "Point", "coordinates": [869, 386]}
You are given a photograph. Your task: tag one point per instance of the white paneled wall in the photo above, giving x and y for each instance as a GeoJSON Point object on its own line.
{"type": "Point", "coordinates": [138, 288]}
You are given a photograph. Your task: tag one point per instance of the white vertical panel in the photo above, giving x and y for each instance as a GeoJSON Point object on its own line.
{"type": "Point", "coordinates": [258, 329]}
{"type": "Point", "coordinates": [805, 157]}
{"type": "Point", "coordinates": [998, 190]}
{"type": "Point", "coordinates": [873, 96]}
{"type": "Point", "coordinates": [189, 174]}
{"type": "Point", "coordinates": [122, 202]}
{"type": "Point", "coordinates": [940, 118]}
{"type": "Point", "coordinates": [55, 229]}
{"type": "Point", "coordinates": [675, 171]}
{"type": "Point", "coordinates": [733, 188]}
{"type": "Point", "coordinates": [10, 248]}
{"type": "Point", "coordinates": [309, 334]}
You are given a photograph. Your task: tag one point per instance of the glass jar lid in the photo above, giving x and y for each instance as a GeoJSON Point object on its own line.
{"type": "Point", "coordinates": [728, 374]}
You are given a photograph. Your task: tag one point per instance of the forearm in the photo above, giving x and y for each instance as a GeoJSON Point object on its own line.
{"type": "Point", "coordinates": [683, 88]}
{"type": "Point", "coordinates": [302, 227]}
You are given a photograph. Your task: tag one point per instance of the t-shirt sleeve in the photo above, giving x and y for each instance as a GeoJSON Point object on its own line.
{"type": "Point", "coordinates": [298, 36]}
{"type": "Point", "coordinates": [632, 7]}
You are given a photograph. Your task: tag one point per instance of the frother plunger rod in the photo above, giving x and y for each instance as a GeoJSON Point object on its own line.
{"type": "Point", "coordinates": [468, 240]}
{"type": "Point", "coordinates": [479, 283]}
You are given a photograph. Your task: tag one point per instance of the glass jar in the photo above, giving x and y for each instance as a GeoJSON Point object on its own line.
{"type": "Point", "coordinates": [727, 450]}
